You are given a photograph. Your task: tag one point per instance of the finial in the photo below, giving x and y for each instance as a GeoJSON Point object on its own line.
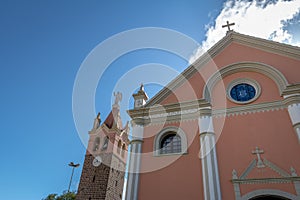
{"type": "Point", "coordinates": [142, 87]}
{"type": "Point", "coordinates": [293, 172]}
{"type": "Point", "coordinates": [234, 174]}
{"type": "Point", "coordinates": [97, 121]}
{"type": "Point", "coordinates": [118, 97]}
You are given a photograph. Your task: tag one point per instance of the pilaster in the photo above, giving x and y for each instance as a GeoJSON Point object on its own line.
{"type": "Point", "coordinates": [134, 160]}
{"type": "Point", "coordinates": [293, 104]}
{"type": "Point", "coordinates": [210, 172]}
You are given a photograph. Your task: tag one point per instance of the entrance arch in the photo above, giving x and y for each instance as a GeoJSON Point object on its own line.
{"type": "Point", "coordinates": [265, 194]}
{"type": "Point", "coordinates": [269, 197]}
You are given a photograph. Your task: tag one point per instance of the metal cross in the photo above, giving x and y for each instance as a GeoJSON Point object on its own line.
{"type": "Point", "coordinates": [259, 163]}
{"type": "Point", "coordinates": [228, 25]}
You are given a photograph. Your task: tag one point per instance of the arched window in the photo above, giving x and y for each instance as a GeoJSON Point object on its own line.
{"type": "Point", "coordinates": [123, 150]}
{"type": "Point", "coordinates": [119, 147]}
{"type": "Point", "coordinates": [170, 143]}
{"type": "Point", "coordinates": [105, 144]}
{"type": "Point", "coordinates": [170, 140]}
{"type": "Point", "coordinates": [96, 144]}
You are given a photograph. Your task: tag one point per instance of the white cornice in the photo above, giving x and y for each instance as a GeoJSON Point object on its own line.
{"type": "Point", "coordinates": [161, 116]}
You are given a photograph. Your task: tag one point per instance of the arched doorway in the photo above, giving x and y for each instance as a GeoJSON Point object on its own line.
{"type": "Point", "coordinates": [269, 197]}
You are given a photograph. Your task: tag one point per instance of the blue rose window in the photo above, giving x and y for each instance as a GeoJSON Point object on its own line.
{"type": "Point", "coordinates": [242, 92]}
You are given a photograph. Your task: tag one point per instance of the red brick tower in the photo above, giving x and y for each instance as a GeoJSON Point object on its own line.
{"type": "Point", "coordinates": [103, 171]}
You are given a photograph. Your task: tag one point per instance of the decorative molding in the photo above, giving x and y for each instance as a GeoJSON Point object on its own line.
{"type": "Point", "coordinates": [291, 100]}
{"type": "Point", "coordinates": [292, 89]}
{"type": "Point", "coordinates": [268, 45]}
{"type": "Point", "coordinates": [267, 70]}
{"type": "Point", "coordinates": [248, 169]}
{"type": "Point", "coordinates": [249, 109]}
{"type": "Point", "coordinates": [266, 180]}
{"type": "Point", "coordinates": [169, 108]}
{"type": "Point", "coordinates": [194, 114]}
{"type": "Point", "coordinates": [193, 109]}
{"type": "Point", "coordinates": [285, 178]}
{"type": "Point", "coordinates": [275, 168]}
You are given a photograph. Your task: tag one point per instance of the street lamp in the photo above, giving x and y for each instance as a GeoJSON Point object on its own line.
{"type": "Point", "coordinates": [71, 164]}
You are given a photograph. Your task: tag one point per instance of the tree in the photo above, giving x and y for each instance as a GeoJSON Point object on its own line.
{"type": "Point", "coordinates": [64, 196]}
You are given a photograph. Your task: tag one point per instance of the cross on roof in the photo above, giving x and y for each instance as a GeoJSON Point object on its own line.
{"type": "Point", "coordinates": [228, 25]}
{"type": "Point", "coordinates": [259, 163]}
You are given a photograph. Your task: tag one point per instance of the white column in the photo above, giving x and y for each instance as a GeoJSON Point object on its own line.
{"type": "Point", "coordinates": [293, 102]}
{"type": "Point", "coordinates": [210, 172]}
{"type": "Point", "coordinates": [134, 162]}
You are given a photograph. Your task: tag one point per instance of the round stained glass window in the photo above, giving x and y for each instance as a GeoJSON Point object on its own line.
{"type": "Point", "coordinates": [243, 91]}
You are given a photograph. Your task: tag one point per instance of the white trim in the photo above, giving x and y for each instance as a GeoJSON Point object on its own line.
{"type": "Point", "coordinates": [216, 169]}
{"type": "Point", "coordinates": [162, 133]}
{"type": "Point", "coordinates": [248, 81]}
{"type": "Point", "coordinates": [137, 170]}
{"type": "Point", "coordinates": [137, 132]}
{"type": "Point", "coordinates": [203, 167]}
{"type": "Point", "coordinates": [206, 124]}
{"type": "Point", "coordinates": [294, 111]}
{"type": "Point", "coordinates": [210, 167]}
{"type": "Point", "coordinates": [210, 174]}
{"type": "Point", "coordinates": [261, 68]}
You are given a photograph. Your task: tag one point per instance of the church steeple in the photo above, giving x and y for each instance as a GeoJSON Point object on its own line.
{"type": "Point", "coordinates": [105, 161]}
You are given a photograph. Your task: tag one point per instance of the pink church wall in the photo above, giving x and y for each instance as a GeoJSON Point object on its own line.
{"type": "Point", "coordinates": [271, 131]}
{"type": "Point", "coordinates": [181, 179]}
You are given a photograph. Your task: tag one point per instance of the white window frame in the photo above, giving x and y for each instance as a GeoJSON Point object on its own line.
{"type": "Point", "coordinates": [172, 129]}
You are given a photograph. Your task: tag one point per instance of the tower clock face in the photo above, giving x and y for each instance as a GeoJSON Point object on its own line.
{"type": "Point", "coordinates": [139, 102]}
{"type": "Point", "coordinates": [97, 161]}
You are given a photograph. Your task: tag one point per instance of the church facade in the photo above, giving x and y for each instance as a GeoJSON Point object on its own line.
{"type": "Point", "coordinates": [228, 127]}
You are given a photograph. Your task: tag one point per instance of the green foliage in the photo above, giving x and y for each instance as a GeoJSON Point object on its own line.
{"type": "Point", "coordinates": [64, 196]}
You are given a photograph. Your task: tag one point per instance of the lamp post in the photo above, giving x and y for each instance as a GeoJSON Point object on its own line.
{"type": "Point", "coordinates": [71, 164]}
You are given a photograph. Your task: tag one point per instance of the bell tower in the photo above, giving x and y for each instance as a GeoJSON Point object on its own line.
{"type": "Point", "coordinates": [104, 166]}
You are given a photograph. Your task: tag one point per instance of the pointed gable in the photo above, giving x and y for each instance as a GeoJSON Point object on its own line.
{"type": "Point", "coordinates": [114, 119]}
{"type": "Point", "coordinates": [231, 49]}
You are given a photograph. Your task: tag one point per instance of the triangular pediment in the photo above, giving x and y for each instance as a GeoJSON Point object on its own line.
{"type": "Point", "coordinates": [268, 170]}
{"type": "Point", "coordinates": [264, 172]}
{"type": "Point", "coordinates": [232, 37]}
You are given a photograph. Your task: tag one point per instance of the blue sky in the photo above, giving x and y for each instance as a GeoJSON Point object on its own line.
{"type": "Point", "coordinates": [42, 46]}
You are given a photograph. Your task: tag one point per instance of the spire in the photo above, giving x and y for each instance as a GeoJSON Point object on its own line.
{"type": "Point", "coordinates": [114, 118]}
{"type": "Point", "coordinates": [97, 121]}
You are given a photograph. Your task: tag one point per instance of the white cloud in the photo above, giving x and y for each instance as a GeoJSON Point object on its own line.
{"type": "Point", "coordinates": [263, 19]}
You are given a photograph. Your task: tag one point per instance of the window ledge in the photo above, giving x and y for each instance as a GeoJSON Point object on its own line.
{"type": "Point", "coordinates": [169, 154]}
